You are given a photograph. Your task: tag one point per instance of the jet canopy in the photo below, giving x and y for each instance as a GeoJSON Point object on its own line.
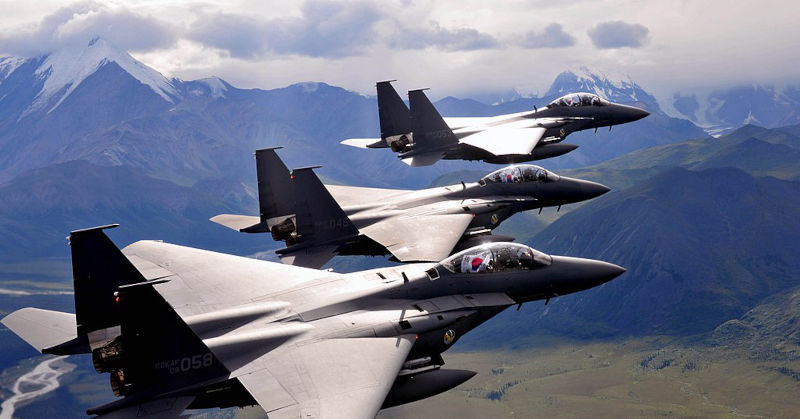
{"type": "Point", "coordinates": [579, 99]}
{"type": "Point", "coordinates": [496, 257]}
{"type": "Point", "coordinates": [519, 173]}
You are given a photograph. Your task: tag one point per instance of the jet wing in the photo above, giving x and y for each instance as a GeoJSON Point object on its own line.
{"type": "Point", "coordinates": [457, 122]}
{"type": "Point", "coordinates": [503, 140]}
{"type": "Point", "coordinates": [198, 278]}
{"type": "Point", "coordinates": [355, 195]}
{"type": "Point", "coordinates": [420, 238]}
{"type": "Point", "coordinates": [330, 378]}
{"type": "Point", "coordinates": [305, 377]}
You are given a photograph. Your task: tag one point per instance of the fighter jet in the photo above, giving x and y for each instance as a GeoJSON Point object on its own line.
{"type": "Point", "coordinates": [318, 221]}
{"type": "Point", "coordinates": [180, 328]}
{"type": "Point", "coordinates": [421, 137]}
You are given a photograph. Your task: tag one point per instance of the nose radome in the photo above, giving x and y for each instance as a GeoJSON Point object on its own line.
{"type": "Point", "coordinates": [577, 274]}
{"type": "Point", "coordinates": [591, 189]}
{"type": "Point", "coordinates": [604, 271]}
{"type": "Point", "coordinates": [638, 113]}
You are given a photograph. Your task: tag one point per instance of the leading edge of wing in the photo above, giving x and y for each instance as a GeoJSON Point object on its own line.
{"type": "Point", "coordinates": [331, 378]}
{"type": "Point", "coordinates": [358, 195]}
{"type": "Point", "coordinates": [502, 141]}
{"type": "Point", "coordinates": [420, 238]}
{"type": "Point", "coordinates": [201, 277]}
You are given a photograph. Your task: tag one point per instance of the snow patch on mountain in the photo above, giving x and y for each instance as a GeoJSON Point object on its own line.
{"type": "Point", "coordinates": [8, 65]}
{"type": "Point", "coordinates": [216, 86]}
{"type": "Point", "coordinates": [64, 70]}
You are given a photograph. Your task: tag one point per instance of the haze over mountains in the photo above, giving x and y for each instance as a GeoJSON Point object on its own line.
{"type": "Point", "coordinates": [96, 103]}
{"type": "Point", "coordinates": [707, 227]}
{"type": "Point", "coordinates": [91, 136]}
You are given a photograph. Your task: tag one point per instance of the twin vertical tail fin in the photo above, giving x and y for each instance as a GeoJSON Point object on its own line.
{"type": "Point", "coordinates": [275, 197]}
{"type": "Point", "coordinates": [275, 201]}
{"type": "Point", "coordinates": [322, 225]}
{"type": "Point", "coordinates": [156, 351]}
{"type": "Point", "coordinates": [432, 136]}
{"type": "Point", "coordinates": [98, 270]}
{"type": "Point", "coordinates": [394, 118]}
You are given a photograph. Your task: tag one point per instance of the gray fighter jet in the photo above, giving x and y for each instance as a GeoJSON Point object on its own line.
{"type": "Point", "coordinates": [319, 221]}
{"type": "Point", "coordinates": [421, 136]}
{"type": "Point", "coordinates": [181, 328]}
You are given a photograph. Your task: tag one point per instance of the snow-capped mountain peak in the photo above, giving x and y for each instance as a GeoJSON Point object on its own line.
{"type": "Point", "coordinates": [216, 86]}
{"type": "Point", "coordinates": [619, 89]}
{"type": "Point", "coordinates": [65, 69]}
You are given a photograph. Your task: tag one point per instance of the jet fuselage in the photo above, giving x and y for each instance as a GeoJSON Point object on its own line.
{"type": "Point", "coordinates": [491, 203]}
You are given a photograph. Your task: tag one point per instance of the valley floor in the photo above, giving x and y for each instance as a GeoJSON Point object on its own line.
{"type": "Point", "coordinates": [649, 377]}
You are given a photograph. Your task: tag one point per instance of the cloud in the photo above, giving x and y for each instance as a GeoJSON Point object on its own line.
{"type": "Point", "coordinates": [618, 34]}
{"type": "Point", "coordinates": [463, 39]}
{"type": "Point", "coordinates": [553, 36]}
{"type": "Point", "coordinates": [80, 22]}
{"type": "Point", "coordinates": [324, 29]}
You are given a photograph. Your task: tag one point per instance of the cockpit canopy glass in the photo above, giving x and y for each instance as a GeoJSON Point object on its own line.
{"type": "Point", "coordinates": [496, 257]}
{"type": "Point", "coordinates": [519, 173]}
{"type": "Point", "coordinates": [579, 99]}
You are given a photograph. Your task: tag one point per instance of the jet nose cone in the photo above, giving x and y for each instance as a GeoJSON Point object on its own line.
{"type": "Point", "coordinates": [637, 114]}
{"type": "Point", "coordinates": [627, 113]}
{"type": "Point", "coordinates": [604, 271]}
{"type": "Point", "coordinates": [589, 190]}
{"type": "Point", "coordinates": [580, 274]}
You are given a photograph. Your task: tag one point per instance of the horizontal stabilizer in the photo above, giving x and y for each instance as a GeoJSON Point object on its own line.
{"type": "Point", "coordinates": [425, 159]}
{"type": "Point", "coordinates": [247, 223]}
{"type": "Point", "coordinates": [43, 329]}
{"type": "Point", "coordinates": [365, 142]}
{"type": "Point", "coordinates": [309, 257]}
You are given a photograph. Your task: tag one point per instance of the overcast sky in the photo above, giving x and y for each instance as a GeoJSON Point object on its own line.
{"type": "Point", "coordinates": [455, 47]}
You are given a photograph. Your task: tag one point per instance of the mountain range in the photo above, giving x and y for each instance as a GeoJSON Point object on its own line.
{"type": "Point", "coordinates": [729, 108]}
{"type": "Point", "coordinates": [706, 229]}
{"type": "Point", "coordinates": [95, 102]}
{"type": "Point", "coordinates": [92, 136]}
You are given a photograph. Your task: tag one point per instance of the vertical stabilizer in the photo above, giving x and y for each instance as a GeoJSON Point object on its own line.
{"type": "Point", "coordinates": [432, 136]}
{"type": "Point", "coordinates": [320, 219]}
{"type": "Point", "coordinates": [98, 269]}
{"type": "Point", "coordinates": [274, 185]}
{"type": "Point", "coordinates": [321, 222]}
{"type": "Point", "coordinates": [394, 117]}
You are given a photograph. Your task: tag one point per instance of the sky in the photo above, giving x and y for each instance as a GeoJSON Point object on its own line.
{"type": "Point", "coordinates": [462, 48]}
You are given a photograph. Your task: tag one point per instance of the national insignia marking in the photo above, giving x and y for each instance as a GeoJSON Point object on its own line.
{"type": "Point", "coordinates": [449, 336]}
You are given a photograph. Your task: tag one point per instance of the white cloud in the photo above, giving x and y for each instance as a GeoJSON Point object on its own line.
{"type": "Point", "coordinates": [619, 34]}
{"type": "Point", "coordinates": [454, 47]}
{"type": "Point", "coordinates": [553, 36]}
{"type": "Point", "coordinates": [80, 22]}
{"type": "Point", "coordinates": [324, 29]}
